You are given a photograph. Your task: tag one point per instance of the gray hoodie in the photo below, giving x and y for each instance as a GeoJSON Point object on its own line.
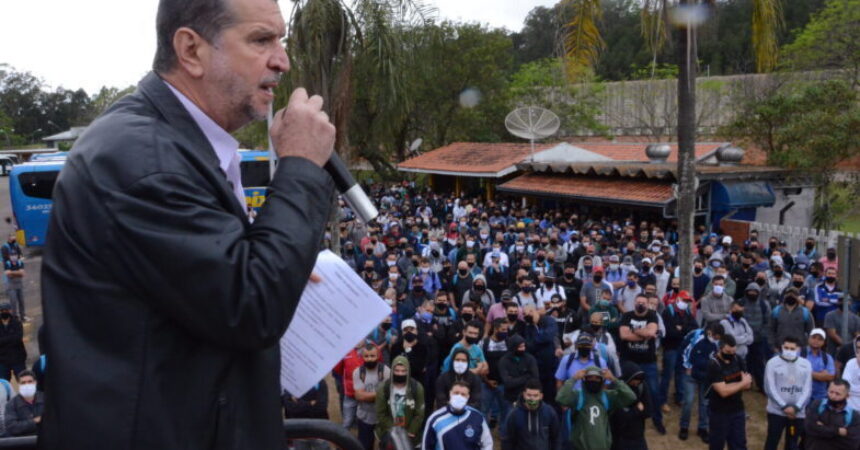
{"type": "Point", "coordinates": [788, 383]}
{"type": "Point", "coordinates": [742, 332]}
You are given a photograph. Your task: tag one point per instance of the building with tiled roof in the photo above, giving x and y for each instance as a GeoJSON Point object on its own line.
{"type": "Point", "coordinates": [619, 174]}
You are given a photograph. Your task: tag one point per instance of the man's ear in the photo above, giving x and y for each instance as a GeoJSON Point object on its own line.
{"type": "Point", "coordinates": [192, 51]}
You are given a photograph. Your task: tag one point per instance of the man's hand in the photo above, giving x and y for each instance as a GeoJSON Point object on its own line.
{"type": "Point", "coordinates": [580, 374]}
{"type": "Point", "coordinates": [746, 379]}
{"type": "Point", "coordinates": [607, 374]}
{"type": "Point", "coordinates": [790, 412]}
{"type": "Point", "coordinates": [302, 129]}
{"type": "Point", "coordinates": [37, 419]}
{"type": "Point", "coordinates": [640, 406]}
{"type": "Point", "coordinates": [315, 278]}
{"type": "Point", "coordinates": [843, 431]}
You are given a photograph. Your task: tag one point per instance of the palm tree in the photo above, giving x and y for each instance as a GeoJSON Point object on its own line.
{"type": "Point", "coordinates": [582, 45]}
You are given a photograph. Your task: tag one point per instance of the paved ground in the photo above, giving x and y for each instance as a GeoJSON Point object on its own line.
{"type": "Point", "coordinates": [33, 267]}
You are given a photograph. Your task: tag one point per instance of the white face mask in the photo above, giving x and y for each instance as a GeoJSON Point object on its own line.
{"type": "Point", "coordinates": [425, 270]}
{"type": "Point", "coordinates": [713, 340]}
{"type": "Point", "coordinates": [613, 267]}
{"type": "Point", "coordinates": [390, 263]}
{"type": "Point", "coordinates": [460, 367]}
{"type": "Point", "coordinates": [393, 276]}
{"type": "Point", "coordinates": [718, 290]}
{"type": "Point", "coordinates": [470, 244]}
{"type": "Point", "coordinates": [458, 402]}
{"type": "Point", "coordinates": [789, 354]}
{"type": "Point", "coordinates": [484, 236]}
{"type": "Point", "coordinates": [27, 390]}
{"type": "Point", "coordinates": [682, 305]}
{"type": "Point", "coordinates": [520, 248]}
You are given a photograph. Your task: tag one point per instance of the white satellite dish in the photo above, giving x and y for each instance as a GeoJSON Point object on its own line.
{"type": "Point", "coordinates": [416, 144]}
{"type": "Point", "coordinates": [532, 123]}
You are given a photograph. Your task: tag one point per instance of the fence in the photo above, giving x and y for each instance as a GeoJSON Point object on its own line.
{"type": "Point", "coordinates": [795, 237]}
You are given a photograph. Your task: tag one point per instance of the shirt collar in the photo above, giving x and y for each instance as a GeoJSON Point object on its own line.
{"type": "Point", "coordinates": [225, 146]}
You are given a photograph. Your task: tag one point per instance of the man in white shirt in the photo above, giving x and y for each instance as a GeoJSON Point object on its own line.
{"type": "Point", "coordinates": [852, 375]}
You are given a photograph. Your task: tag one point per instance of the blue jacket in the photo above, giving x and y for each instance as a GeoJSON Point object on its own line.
{"type": "Point", "coordinates": [464, 431]}
{"type": "Point", "coordinates": [697, 353]}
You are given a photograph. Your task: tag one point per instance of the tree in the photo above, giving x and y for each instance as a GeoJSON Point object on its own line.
{"type": "Point", "coordinates": [538, 38]}
{"type": "Point", "coordinates": [830, 40]}
{"type": "Point", "coordinates": [106, 97]}
{"type": "Point", "coordinates": [811, 129]}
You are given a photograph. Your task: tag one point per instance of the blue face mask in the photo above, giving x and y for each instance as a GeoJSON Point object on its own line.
{"type": "Point", "coordinates": [631, 284]}
{"type": "Point", "coordinates": [502, 335]}
{"type": "Point", "coordinates": [426, 316]}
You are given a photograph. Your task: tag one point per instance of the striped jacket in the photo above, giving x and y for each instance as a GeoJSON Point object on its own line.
{"type": "Point", "coordinates": [466, 430]}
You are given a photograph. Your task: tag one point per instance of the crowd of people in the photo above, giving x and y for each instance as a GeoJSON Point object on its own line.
{"type": "Point", "coordinates": [567, 328]}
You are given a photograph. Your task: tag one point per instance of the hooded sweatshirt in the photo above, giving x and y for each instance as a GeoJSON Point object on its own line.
{"type": "Point", "coordinates": [447, 379]}
{"type": "Point", "coordinates": [528, 429]}
{"type": "Point", "coordinates": [392, 410]}
{"type": "Point", "coordinates": [788, 383]}
{"type": "Point", "coordinates": [628, 422]}
{"type": "Point", "coordinates": [515, 370]}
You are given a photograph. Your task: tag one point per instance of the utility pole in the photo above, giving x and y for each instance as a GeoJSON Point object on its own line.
{"type": "Point", "coordinates": [686, 192]}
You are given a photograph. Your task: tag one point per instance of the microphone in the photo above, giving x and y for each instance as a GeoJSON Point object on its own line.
{"type": "Point", "coordinates": [354, 195]}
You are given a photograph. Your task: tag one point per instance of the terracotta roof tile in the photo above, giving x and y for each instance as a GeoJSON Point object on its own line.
{"type": "Point", "coordinates": [487, 157]}
{"type": "Point", "coordinates": [604, 189]}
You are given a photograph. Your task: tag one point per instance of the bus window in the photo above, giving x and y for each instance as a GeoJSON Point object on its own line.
{"type": "Point", "coordinates": [38, 184]}
{"type": "Point", "coordinates": [255, 173]}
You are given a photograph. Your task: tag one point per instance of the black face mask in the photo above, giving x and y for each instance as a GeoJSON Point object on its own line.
{"type": "Point", "coordinates": [641, 308]}
{"type": "Point", "coordinates": [410, 337]}
{"type": "Point", "coordinates": [472, 340]}
{"type": "Point", "coordinates": [398, 379]}
{"type": "Point", "coordinates": [658, 269]}
{"type": "Point", "coordinates": [568, 276]}
{"type": "Point", "coordinates": [760, 281]}
{"type": "Point", "coordinates": [830, 279]}
{"type": "Point", "coordinates": [593, 386]}
{"type": "Point", "coordinates": [745, 265]}
{"type": "Point", "coordinates": [369, 252]}
{"type": "Point", "coordinates": [441, 307]}
{"type": "Point", "coordinates": [549, 284]}
{"type": "Point", "coordinates": [797, 284]}
{"type": "Point", "coordinates": [810, 246]}
{"type": "Point", "coordinates": [727, 357]}
{"type": "Point", "coordinates": [837, 405]}
{"type": "Point", "coordinates": [737, 315]}
{"type": "Point", "coordinates": [791, 301]}
{"type": "Point", "coordinates": [512, 317]}
{"type": "Point", "coordinates": [368, 269]}
{"type": "Point", "coordinates": [519, 352]}
{"type": "Point", "coordinates": [583, 352]}
{"type": "Point", "coordinates": [777, 273]}
{"type": "Point", "coordinates": [541, 258]}
{"type": "Point", "coordinates": [595, 329]}
{"type": "Point", "coordinates": [463, 272]}
{"type": "Point", "coordinates": [467, 317]}
{"type": "Point", "coordinates": [752, 296]}
{"type": "Point", "coordinates": [5, 316]}
{"type": "Point", "coordinates": [598, 278]}
{"type": "Point", "coordinates": [529, 319]}
{"type": "Point", "coordinates": [471, 264]}
{"type": "Point", "coordinates": [831, 255]}
{"type": "Point", "coordinates": [698, 269]}
{"type": "Point", "coordinates": [371, 364]}
{"type": "Point", "coordinates": [385, 326]}
{"type": "Point", "coordinates": [418, 288]}
{"type": "Point", "coordinates": [480, 288]}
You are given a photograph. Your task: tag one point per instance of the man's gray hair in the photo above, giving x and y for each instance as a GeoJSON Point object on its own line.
{"type": "Point", "coordinates": [206, 17]}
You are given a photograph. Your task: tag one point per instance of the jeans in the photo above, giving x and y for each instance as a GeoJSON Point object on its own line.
{"type": "Point", "coordinates": [350, 405]}
{"type": "Point", "coordinates": [493, 400]}
{"type": "Point", "coordinates": [16, 298]}
{"type": "Point", "coordinates": [691, 388]}
{"type": "Point", "coordinates": [365, 434]}
{"type": "Point", "coordinates": [757, 356]}
{"type": "Point", "coordinates": [652, 380]}
{"type": "Point", "coordinates": [671, 369]}
{"type": "Point", "coordinates": [728, 428]}
{"type": "Point", "coordinates": [775, 426]}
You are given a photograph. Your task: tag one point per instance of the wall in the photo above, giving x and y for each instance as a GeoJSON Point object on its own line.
{"type": "Point", "coordinates": [800, 215]}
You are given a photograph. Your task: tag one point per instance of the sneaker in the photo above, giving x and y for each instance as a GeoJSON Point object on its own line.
{"type": "Point", "coordinates": [660, 428]}
{"type": "Point", "coordinates": [683, 434]}
{"type": "Point", "coordinates": [703, 433]}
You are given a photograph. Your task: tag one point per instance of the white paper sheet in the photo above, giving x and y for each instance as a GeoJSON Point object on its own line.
{"type": "Point", "coordinates": [333, 315]}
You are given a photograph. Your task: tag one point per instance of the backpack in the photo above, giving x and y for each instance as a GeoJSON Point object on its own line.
{"type": "Point", "coordinates": [779, 308]}
{"type": "Point", "coordinates": [849, 413]}
{"type": "Point", "coordinates": [8, 387]}
{"type": "Point", "coordinates": [601, 351]}
{"type": "Point", "coordinates": [805, 351]}
{"type": "Point", "coordinates": [380, 372]}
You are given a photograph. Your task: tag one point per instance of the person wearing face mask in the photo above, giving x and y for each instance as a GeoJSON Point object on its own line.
{"type": "Point", "coordinates": [365, 380]}
{"type": "Point", "coordinates": [590, 408]}
{"type": "Point", "coordinates": [646, 273]}
{"type": "Point", "coordinates": [823, 365]}
{"type": "Point", "coordinates": [525, 296]}
{"type": "Point", "coordinates": [625, 297]}
{"type": "Point", "coordinates": [788, 383]}
{"type": "Point", "coordinates": [790, 319]}
{"type": "Point", "coordinates": [698, 346]}
{"type": "Point", "coordinates": [615, 275]}
{"type": "Point", "coordinates": [728, 378]}
{"type": "Point", "coordinates": [399, 403]}
{"type": "Point", "coordinates": [737, 326]}
{"type": "Point", "coordinates": [548, 288]}
{"type": "Point", "coordinates": [716, 305]}
{"type": "Point", "coordinates": [571, 285]}
{"type": "Point", "coordinates": [458, 371]}
{"type": "Point", "coordinates": [593, 289]}
{"type": "Point", "coordinates": [679, 321]}
{"type": "Point", "coordinates": [456, 425]}
{"type": "Point", "coordinates": [479, 294]}
{"type": "Point", "coordinates": [729, 285]}
{"type": "Point", "coordinates": [24, 412]}
{"type": "Point", "coordinates": [393, 279]}
{"type": "Point", "coordinates": [494, 406]}
{"type": "Point", "coordinates": [628, 423]}
{"type": "Point", "coordinates": [566, 321]}
{"type": "Point", "coordinates": [343, 373]}
{"type": "Point", "coordinates": [743, 275]}
{"type": "Point", "coordinates": [638, 331]}
{"type": "Point", "coordinates": [470, 342]}
{"type": "Point", "coordinates": [533, 424]}
{"type": "Point", "coordinates": [516, 367]}
{"type": "Point", "coordinates": [777, 282]}
{"type": "Point", "coordinates": [701, 279]}
{"type": "Point", "coordinates": [827, 294]}
{"type": "Point", "coordinates": [830, 423]}
{"type": "Point", "coordinates": [830, 260]}
{"type": "Point", "coordinates": [586, 266]}
{"type": "Point", "coordinates": [13, 355]}
{"type": "Point", "coordinates": [586, 354]}
{"type": "Point", "coordinates": [805, 293]}
{"type": "Point", "coordinates": [415, 346]}
{"type": "Point", "coordinates": [809, 250]}
{"type": "Point", "coordinates": [662, 277]}
{"type": "Point", "coordinates": [462, 281]}
{"type": "Point", "coordinates": [497, 276]}
{"type": "Point", "coordinates": [431, 280]}
{"type": "Point", "coordinates": [757, 313]}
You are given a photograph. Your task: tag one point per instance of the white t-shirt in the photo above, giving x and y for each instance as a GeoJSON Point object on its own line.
{"type": "Point", "coordinates": [852, 375]}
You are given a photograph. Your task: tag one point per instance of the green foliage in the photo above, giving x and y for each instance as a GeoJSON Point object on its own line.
{"type": "Point", "coordinates": [537, 39]}
{"type": "Point", "coordinates": [812, 128]}
{"type": "Point", "coordinates": [830, 40]}
{"type": "Point", "coordinates": [543, 83]}
{"type": "Point", "coordinates": [659, 71]}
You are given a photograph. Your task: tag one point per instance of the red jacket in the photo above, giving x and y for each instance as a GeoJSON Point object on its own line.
{"type": "Point", "coordinates": [345, 368]}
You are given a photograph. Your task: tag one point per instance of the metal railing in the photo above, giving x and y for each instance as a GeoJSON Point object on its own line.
{"type": "Point", "coordinates": [324, 430]}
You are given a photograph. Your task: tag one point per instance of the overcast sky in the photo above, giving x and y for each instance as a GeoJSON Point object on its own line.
{"type": "Point", "coordinates": [91, 43]}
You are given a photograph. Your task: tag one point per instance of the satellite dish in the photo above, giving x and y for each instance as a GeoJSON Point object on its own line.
{"type": "Point", "coordinates": [532, 123]}
{"type": "Point", "coordinates": [416, 144]}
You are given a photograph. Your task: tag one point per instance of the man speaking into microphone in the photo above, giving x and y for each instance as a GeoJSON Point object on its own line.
{"type": "Point", "coordinates": [163, 303]}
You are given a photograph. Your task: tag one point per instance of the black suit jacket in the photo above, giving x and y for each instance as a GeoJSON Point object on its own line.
{"type": "Point", "coordinates": [163, 304]}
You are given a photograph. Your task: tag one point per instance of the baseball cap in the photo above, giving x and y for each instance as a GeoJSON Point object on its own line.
{"type": "Point", "coordinates": [506, 294]}
{"type": "Point", "coordinates": [613, 258]}
{"type": "Point", "coordinates": [685, 295]}
{"type": "Point", "coordinates": [593, 371]}
{"type": "Point", "coordinates": [818, 332]}
{"type": "Point", "coordinates": [585, 339]}
{"type": "Point", "coordinates": [727, 239]}
{"type": "Point", "coordinates": [646, 260]}
{"type": "Point", "coordinates": [598, 269]}
{"type": "Point", "coordinates": [408, 323]}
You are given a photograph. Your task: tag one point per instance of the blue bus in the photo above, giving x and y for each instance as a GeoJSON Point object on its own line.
{"type": "Point", "coordinates": [31, 186]}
